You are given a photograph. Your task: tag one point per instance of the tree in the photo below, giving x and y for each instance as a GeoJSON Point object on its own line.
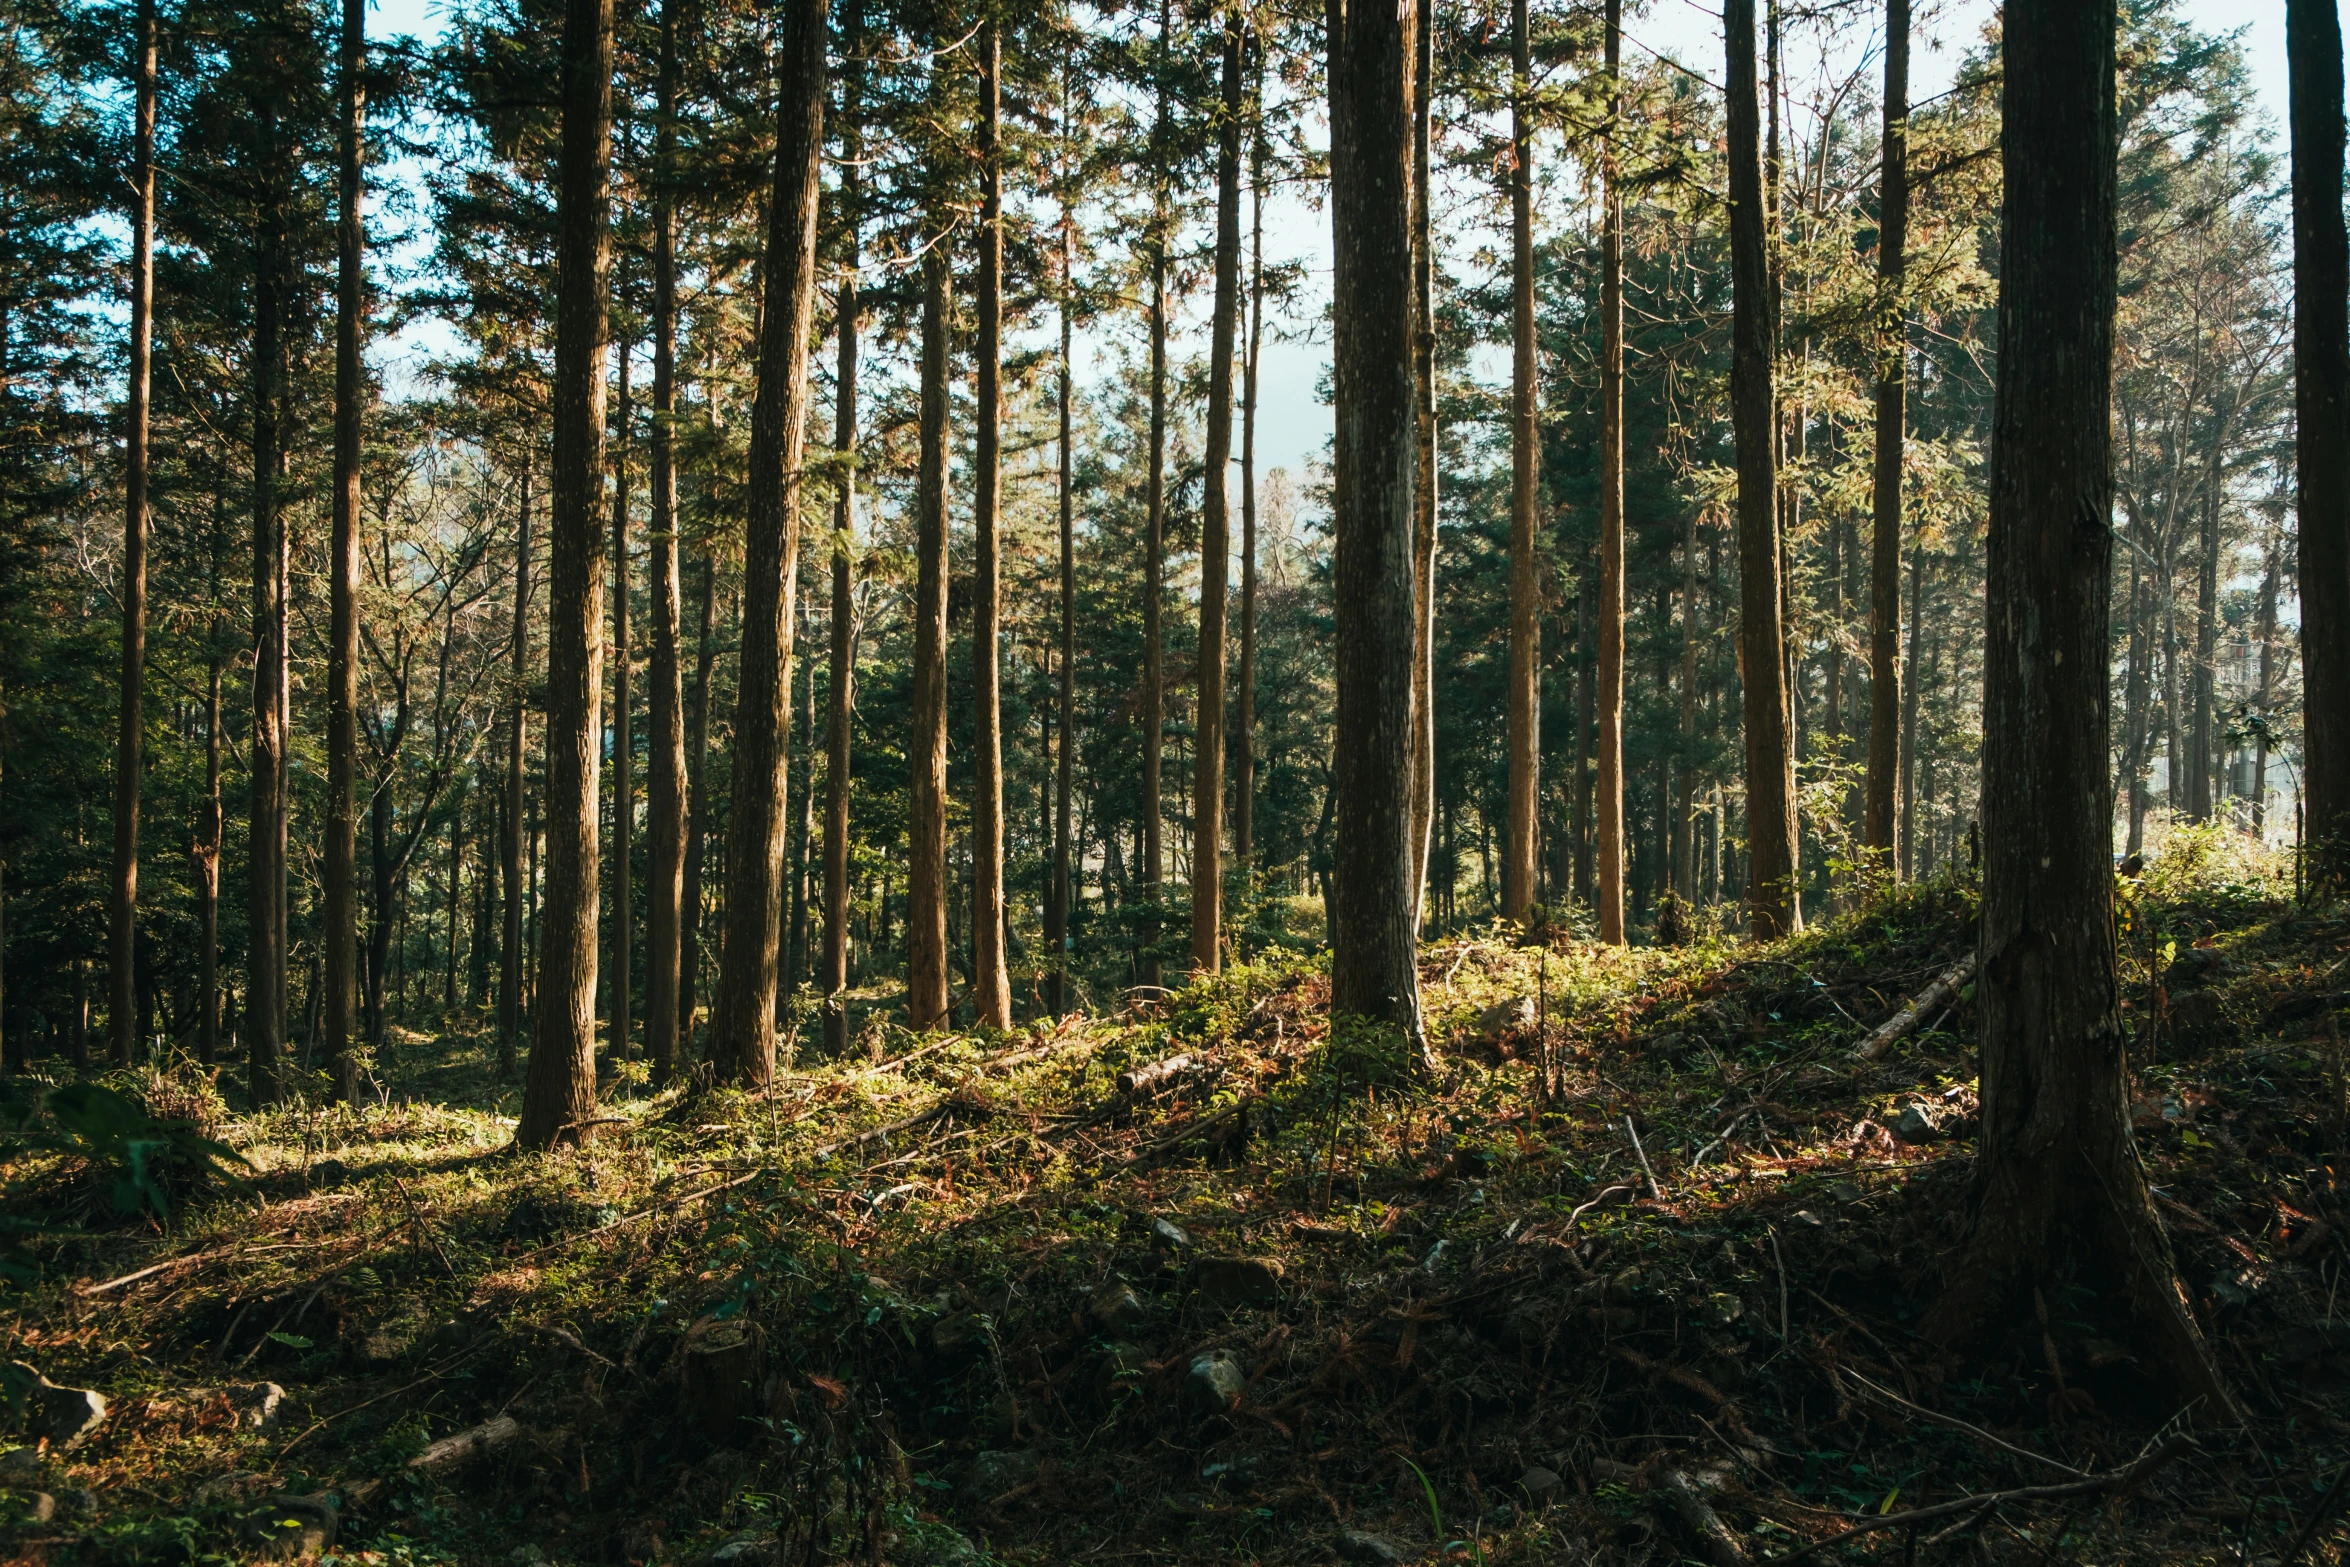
{"type": "Point", "coordinates": [616, 978]}
{"type": "Point", "coordinates": [1374, 971]}
{"type": "Point", "coordinates": [1215, 549]}
{"type": "Point", "coordinates": [1156, 237]}
{"type": "Point", "coordinates": [510, 946]}
{"type": "Point", "coordinates": [991, 983]}
{"type": "Point", "coordinates": [342, 679]}
{"type": "Point", "coordinates": [666, 802]}
{"type": "Point", "coordinates": [1608, 696]}
{"type": "Point", "coordinates": [1884, 765]}
{"type": "Point", "coordinates": [559, 1092]}
{"type": "Point", "coordinates": [2321, 405]}
{"type": "Point", "coordinates": [1424, 493]}
{"type": "Point", "coordinates": [926, 824]}
{"type": "Point", "coordinates": [835, 977]}
{"type": "Point", "coordinates": [1774, 905]}
{"type": "Point", "coordinates": [122, 956]}
{"type": "Point", "coordinates": [2060, 1209]}
{"type": "Point", "coordinates": [1525, 687]}
{"type": "Point", "coordinates": [742, 1022]}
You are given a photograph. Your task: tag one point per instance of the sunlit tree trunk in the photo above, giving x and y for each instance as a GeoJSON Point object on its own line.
{"type": "Point", "coordinates": [342, 679]}
{"type": "Point", "coordinates": [511, 955]}
{"type": "Point", "coordinates": [742, 1019]}
{"type": "Point", "coordinates": [1774, 906]}
{"type": "Point", "coordinates": [1064, 760]}
{"type": "Point", "coordinates": [926, 825]}
{"type": "Point", "coordinates": [1525, 677]}
{"type": "Point", "coordinates": [559, 1088]}
{"type": "Point", "coordinates": [123, 932]}
{"type": "Point", "coordinates": [1609, 713]}
{"type": "Point", "coordinates": [1374, 968]}
{"type": "Point", "coordinates": [835, 978]}
{"type": "Point", "coordinates": [1244, 742]}
{"type": "Point", "coordinates": [1207, 841]}
{"type": "Point", "coordinates": [1154, 566]}
{"type": "Point", "coordinates": [1879, 805]}
{"type": "Point", "coordinates": [697, 808]}
{"type": "Point", "coordinates": [2061, 1209]}
{"type": "Point", "coordinates": [991, 986]}
{"type": "Point", "coordinates": [665, 743]}
{"type": "Point", "coordinates": [617, 1020]}
{"type": "Point", "coordinates": [1424, 498]}
{"type": "Point", "coordinates": [265, 952]}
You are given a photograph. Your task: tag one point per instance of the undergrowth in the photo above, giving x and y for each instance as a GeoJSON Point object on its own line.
{"type": "Point", "coordinates": [1648, 1249]}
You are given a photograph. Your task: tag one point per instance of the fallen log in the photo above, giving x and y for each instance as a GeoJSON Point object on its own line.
{"type": "Point", "coordinates": [1142, 1079]}
{"type": "Point", "coordinates": [1904, 1022]}
{"type": "Point", "coordinates": [450, 1452]}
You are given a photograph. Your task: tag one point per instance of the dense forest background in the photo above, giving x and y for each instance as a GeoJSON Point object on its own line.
{"type": "Point", "coordinates": [1110, 140]}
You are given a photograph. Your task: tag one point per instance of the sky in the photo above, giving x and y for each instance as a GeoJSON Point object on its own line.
{"type": "Point", "coordinates": [1293, 423]}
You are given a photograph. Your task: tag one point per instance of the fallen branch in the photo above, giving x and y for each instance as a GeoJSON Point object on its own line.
{"type": "Point", "coordinates": [631, 1218]}
{"type": "Point", "coordinates": [1698, 1517]}
{"type": "Point", "coordinates": [1957, 1424]}
{"type": "Point", "coordinates": [1904, 1022]}
{"type": "Point", "coordinates": [2120, 1479]}
{"type": "Point", "coordinates": [451, 1451]}
{"type": "Point", "coordinates": [1182, 1134]}
{"type": "Point", "coordinates": [191, 1260]}
{"type": "Point", "coordinates": [1143, 1079]}
{"type": "Point", "coordinates": [904, 1123]}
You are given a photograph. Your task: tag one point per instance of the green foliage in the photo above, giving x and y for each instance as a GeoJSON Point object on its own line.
{"type": "Point", "coordinates": [109, 1131]}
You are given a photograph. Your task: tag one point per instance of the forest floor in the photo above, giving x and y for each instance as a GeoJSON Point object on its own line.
{"type": "Point", "coordinates": [1278, 1301]}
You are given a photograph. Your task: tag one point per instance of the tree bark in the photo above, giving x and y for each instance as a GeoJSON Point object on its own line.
{"type": "Point", "coordinates": [1064, 760]}
{"type": "Point", "coordinates": [207, 855]}
{"type": "Point", "coordinates": [2265, 627]}
{"type": "Point", "coordinates": [1374, 967]}
{"type": "Point", "coordinates": [559, 1088]}
{"type": "Point", "coordinates": [1244, 743]}
{"type": "Point", "coordinates": [2321, 407]}
{"type": "Point", "coordinates": [1424, 496]}
{"type": "Point", "coordinates": [265, 959]}
{"type": "Point", "coordinates": [1215, 549]}
{"type": "Point", "coordinates": [123, 933]}
{"type": "Point", "coordinates": [342, 678]}
{"type": "Point", "coordinates": [697, 809]}
{"type": "Point", "coordinates": [511, 955]}
{"type": "Point", "coordinates": [1879, 808]}
{"type": "Point", "coordinates": [1774, 903]}
{"type": "Point", "coordinates": [991, 986]}
{"type": "Point", "coordinates": [742, 1020]}
{"type": "Point", "coordinates": [618, 1034]}
{"type": "Point", "coordinates": [1907, 836]}
{"type": "Point", "coordinates": [2061, 1209]}
{"type": "Point", "coordinates": [926, 825]}
{"type": "Point", "coordinates": [1525, 677]}
{"type": "Point", "coordinates": [1610, 695]}
{"type": "Point", "coordinates": [835, 978]}
{"type": "Point", "coordinates": [2202, 740]}
{"type": "Point", "coordinates": [1154, 564]}
{"type": "Point", "coordinates": [665, 742]}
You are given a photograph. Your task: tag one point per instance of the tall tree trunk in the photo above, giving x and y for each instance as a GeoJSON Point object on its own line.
{"type": "Point", "coordinates": [742, 1021]}
{"type": "Point", "coordinates": [1424, 496]}
{"type": "Point", "coordinates": [1586, 709]}
{"type": "Point", "coordinates": [835, 978]}
{"type": "Point", "coordinates": [265, 953]}
{"type": "Point", "coordinates": [665, 743]}
{"type": "Point", "coordinates": [2321, 407]}
{"type": "Point", "coordinates": [1878, 811]}
{"type": "Point", "coordinates": [1244, 743]}
{"type": "Point", "coordinates": [1215, 549]}
{"type": "Point", "coordinates": [1906, 838]}
{"type": "Point", "coordinates": [1683, 860]}
{"type": "Point", "coordinates": [2060, 1200]}
{"type": "Point", "coordinates": [803, 831]}
{"type": "Point", "coordinates": [1773, 899]}
{"type": "Point", "coordinates": [2202, 740]}
{"type": "Point", "coordinates": [1154, 565]}
{"type": "Point", "coordinates": [209, 825]}
{"type": "Point", "coordinates": [559, 1089]}
{"type": "Point", "coordinates": [926, 825]}
{"type": "Point", "coordinates": [991, 982]}
{"type": "Point", "coordinates": [123, 932]}
{"type": "Point", "coordinates": [511, 955]}
{"type": "Point", "coordinates": [1525, 676]}
{"type": "Point", "coordinates": [1064, 761]}
{"type": "Point", "coordinates": [617, 1031]}
{"type": "Point", "coordinates": [342, 657]}
{"type": "Point", "coordinates": [697, 809]}
{"type": "Point", "coordinates": [2266, 630]}
{"type": "Point", "coordinates": [1374, 968]}
{"type": "Point", "coordinates": [1610, 710]}
{"type": "Point", "coordinates": [455, 876]}
{"type": "Point", "coordinates": [2134, 694]}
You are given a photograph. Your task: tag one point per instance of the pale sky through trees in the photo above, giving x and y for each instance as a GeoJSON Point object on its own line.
{"type": "Point", "coordinates": [1293, 429]}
